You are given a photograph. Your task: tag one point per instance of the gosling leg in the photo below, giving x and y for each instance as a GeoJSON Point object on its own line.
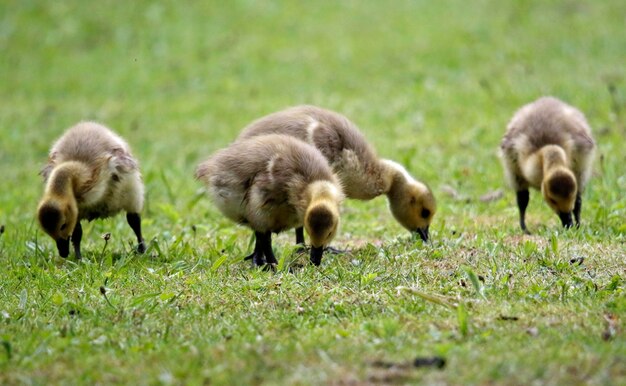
{"type": "Point", "coordinates": [77, 235]}
{"type": "Point", "coordinates": [300, 236]}
{"type": "Point", "coordinates": [300, 244]}
{"type": "Point", "coordinates": [577, 206]}
{"type": "Point", "coordinates": [258, 257]}
{"type": "Point", "coordinates": [270, 259]}
{"type": "Point", "coordinates": [134, 220]}
{"type": "Point", "coordinates": [522, 203]}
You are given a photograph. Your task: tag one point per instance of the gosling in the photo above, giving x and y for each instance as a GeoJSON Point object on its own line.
{"type": "Point", "coordinates": [362, 174]}
{"type": "Point", "coordinates": [90, 174]}
{"type": "Point", "coordinates": [548, 146]}
{"type": "Point", "coordinates": [273, 183]}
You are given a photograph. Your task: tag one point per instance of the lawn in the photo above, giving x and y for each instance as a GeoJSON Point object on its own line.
{"type": "Point", "coordinates": [432, 84]}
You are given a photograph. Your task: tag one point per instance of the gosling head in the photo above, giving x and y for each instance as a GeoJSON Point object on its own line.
{"type": "Point", "coordinates": [413, 205]}
{"type": "Point", "coordinates": [58, 219]}
{"type": "Point", "coordinates": [321, 219]}
{"type": "Point", "coordinates": [559, 191]}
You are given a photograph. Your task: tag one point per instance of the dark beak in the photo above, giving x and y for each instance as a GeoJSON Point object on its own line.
{"type": "Point", "coordinates": [566, 219]}
{"type": "Point", "coordinates": [316, 255]}
{"type": "Point", "coordinates": [63, 245]}
{"type": "Point", "coordinates": [423, 232]}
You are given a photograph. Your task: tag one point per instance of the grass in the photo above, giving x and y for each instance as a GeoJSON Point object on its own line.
{"type": "Point", "coordinates": [431, 84]}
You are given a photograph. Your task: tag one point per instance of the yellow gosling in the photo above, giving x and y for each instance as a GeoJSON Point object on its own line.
{"type": "Point", "coordinates": [548, 146]}
{"type": "Point", "coordinates": [273, 183]}
{"type": "Point", "coordinates": [90, 174]}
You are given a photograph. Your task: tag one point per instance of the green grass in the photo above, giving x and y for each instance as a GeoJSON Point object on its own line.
{"type": "Point", "coordinates": [431, 84]}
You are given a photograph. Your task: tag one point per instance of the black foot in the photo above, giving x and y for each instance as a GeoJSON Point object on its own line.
{"type": "Point", "coordinates": [141, 247]}
{"type": "Point", "coordinates": [269, 267]}
{"type": "Point", "coordinates": [270, 259]}
{"type": "Point", "coordinates": [257, 258]}
{"type": "Point", "coordinates": [335, 251]}
{"type": "Point", "coordinates": [260, 258]}
{"type": "Point", "coordinates": [302, 248]}
{"type": "Point", "coordinates": [263, 253]}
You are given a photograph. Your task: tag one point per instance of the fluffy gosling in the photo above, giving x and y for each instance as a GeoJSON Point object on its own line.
{"type": "Point", "coordinates": [90, 174]}
{"type": "Point", "coordinates": [548, 146]}
{"type": "Point", "coordinates": [272, 183]}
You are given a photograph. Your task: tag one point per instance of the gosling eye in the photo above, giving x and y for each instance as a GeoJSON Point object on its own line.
{"type": "Point", "coordinates": [425, 213]}
{"type": "Point", "coordinates": [63, 226]}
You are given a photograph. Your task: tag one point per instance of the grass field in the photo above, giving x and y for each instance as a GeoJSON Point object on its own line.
{"type": "Point", "coordinates": [432, 85]}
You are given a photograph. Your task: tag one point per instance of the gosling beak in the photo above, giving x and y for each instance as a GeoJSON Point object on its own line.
{"type": "Point", "coordinates": [423, 232]}
{"type": "Point", "coordinates": [63, 245]}
{"type": "Point", "coordinates": [316, 255]}
{"type": "Point", "coordinates": [566, 219]}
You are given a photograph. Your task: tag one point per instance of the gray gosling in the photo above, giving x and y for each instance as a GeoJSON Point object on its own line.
{"type": "Point", "coordinates": [273, 183]}
{"type": "Point", "coordinates": [90, 174]}
{"type": "Point", "coordinates": [548, 146]}
{"type": "Point", "coordinates": [363, 175]}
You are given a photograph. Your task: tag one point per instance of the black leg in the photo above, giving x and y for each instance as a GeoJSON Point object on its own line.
{"type": "Point", "coordinates": [77, 235]}
{"type": "Point", "coordinates": [300, 236]}
{"type": "Point", "coordinates": [577, 206]}
{"type": "Point", "coordinates": [522, 202]}
{"type": "Point", "coordinates": [257, 256]}
{"type": "Point", "coordinates": [134, 220]}
{"type": "Point", "coordinates": [300, 244]}
{"type": "Point", "coordinates": [267, 249]}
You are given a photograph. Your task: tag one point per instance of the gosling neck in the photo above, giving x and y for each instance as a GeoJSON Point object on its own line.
{"type": "Point", "coordinates": [67, 178]}
{"type": "Point", "coordinates": [322, 191]}
{"type": "Point", "coordinates": [552, 157]}
{"type": "Point", "coordinates": [395, 177]}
